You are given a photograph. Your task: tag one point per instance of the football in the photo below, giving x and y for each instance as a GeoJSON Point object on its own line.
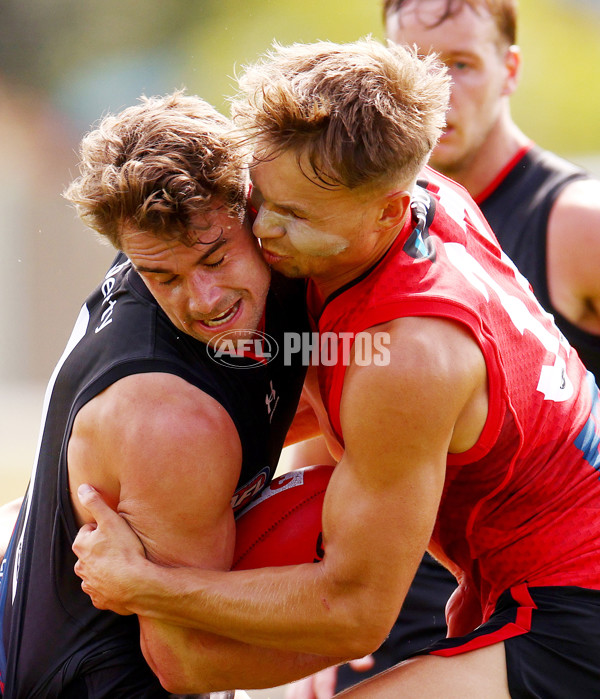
{"type": "Point", "coordinates": [282, 525]}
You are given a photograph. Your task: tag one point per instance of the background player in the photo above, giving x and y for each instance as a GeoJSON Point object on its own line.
{"type": "Point", "coordinates": [543, 209]}
{"type": "Point", "coordinates": [434, 442]}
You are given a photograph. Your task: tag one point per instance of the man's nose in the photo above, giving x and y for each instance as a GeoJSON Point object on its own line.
{"type": "Point", "coordinates": [205, 294]}
{"type": "Point", "coordinates": [268, 224]}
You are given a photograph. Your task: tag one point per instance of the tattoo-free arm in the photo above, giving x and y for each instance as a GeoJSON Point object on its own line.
{"type": "Point", "coordinates": [573, 255]}
{"type": "Point", "coordinates": [167, 458]}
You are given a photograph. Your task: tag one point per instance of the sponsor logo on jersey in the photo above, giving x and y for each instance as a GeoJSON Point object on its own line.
{"type": "Point", "coordinates": [108, 305]}
{"type": "Point", "coordinates": [271, 401]}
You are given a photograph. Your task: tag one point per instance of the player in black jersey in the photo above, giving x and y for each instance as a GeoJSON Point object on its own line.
{"type": "Point", "coordinates": [145, 406]}
{"type": "Point", "coordinates": [544, 210]}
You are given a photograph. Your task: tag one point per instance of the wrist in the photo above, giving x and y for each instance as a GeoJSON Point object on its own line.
{"type": "Point", "coordinates": [152, 590]}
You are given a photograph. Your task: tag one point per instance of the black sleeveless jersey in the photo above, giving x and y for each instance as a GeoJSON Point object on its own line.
{"type": "Point", "coordinates": [518, 210]}
{"type": "Point", "coordinates": [54, 643]}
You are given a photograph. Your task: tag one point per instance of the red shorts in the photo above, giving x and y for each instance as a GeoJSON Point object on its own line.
{"type": "Point", "coordinates": [552, 641]}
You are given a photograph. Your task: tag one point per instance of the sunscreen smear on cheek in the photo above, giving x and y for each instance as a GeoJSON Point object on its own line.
{"type": "Point", "coordinates": [304, 238]}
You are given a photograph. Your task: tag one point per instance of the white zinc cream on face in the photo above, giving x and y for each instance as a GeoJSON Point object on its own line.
{"type": "Point", "coordinates": [305, 239]}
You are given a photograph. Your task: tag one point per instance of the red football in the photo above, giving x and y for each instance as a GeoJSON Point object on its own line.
{"type": "Point", "coordinates": [282, 526]}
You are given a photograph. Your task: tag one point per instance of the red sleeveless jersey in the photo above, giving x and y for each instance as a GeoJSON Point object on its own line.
{"type": "Point", "coordinates": [523, 505]}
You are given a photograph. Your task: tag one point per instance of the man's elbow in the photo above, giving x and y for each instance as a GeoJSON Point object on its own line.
{"type": "Point", "coordinates": [178, 679]}
{"type": "Point", "coordinates": [361, 630]}
{"type": "Point", "coordinates": [360, 640]}
{"type": "Point", "coordinates": [176, 674]}
{"type": "Point", "coordinates": [177, 686]}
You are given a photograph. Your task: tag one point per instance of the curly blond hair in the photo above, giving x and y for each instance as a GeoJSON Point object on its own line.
{"type": "Point", "coordinates": [363, 113]}
{"type": "Point", "coordinates": [157, 164]}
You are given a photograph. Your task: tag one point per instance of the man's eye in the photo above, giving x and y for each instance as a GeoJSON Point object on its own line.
{"type": "Point", "coordinates": [168, 282]}
{"type": "Point", "coordinates": [214, 265]}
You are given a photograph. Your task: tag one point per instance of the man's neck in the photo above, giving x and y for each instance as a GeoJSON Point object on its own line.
{"type": "Point", "coordinates": [478, 172]}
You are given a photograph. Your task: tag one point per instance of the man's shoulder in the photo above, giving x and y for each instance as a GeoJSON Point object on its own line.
{"type": "Point", "coordinates": [542, 175]}
{"type": "Point", "coordinates": [146, 418]}
{"type": "Point", "coordinates": [153, 401]}
{"type": "Point", "coordinates": [552, 163]}
{"type": "Point", "coordinates": [576, 209]}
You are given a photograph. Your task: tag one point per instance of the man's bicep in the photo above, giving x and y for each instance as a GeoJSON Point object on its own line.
{"type": "Point", "coordinates": [179, 505]}
{"type": "Point", "coordinates": [176, 456]}
{"type": "Point", "coordinates": [380, 509]}
{"type": "Point", "coordinates": [382, 501]}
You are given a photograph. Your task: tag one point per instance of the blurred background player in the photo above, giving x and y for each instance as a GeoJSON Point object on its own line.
{"type": "Point", "coordinates": [544, 210]}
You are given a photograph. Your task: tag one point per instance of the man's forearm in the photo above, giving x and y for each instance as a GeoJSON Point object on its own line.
{"type": "Point", "coordinates": [190, 661]}
{"type": "Point", "coordinates": [288, 608]}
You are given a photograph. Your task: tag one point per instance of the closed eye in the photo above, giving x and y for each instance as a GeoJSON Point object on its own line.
{"type": "Point", "coordinates": [169, 281]}
{"type": "Point", "coordinates": [297, 216]}
{"type": "Point", "coordinates": [214, 265]}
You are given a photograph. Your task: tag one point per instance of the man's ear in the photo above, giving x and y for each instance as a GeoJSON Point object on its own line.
{"type": "Point", "coordinates": [395, 206]}
{"type": "Point", "coordinates": [512, 62]}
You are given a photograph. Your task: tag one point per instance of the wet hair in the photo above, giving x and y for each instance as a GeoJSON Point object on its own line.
{"type": "Point", "coordinates": [504, 13]}
{"type": "Point", "coordinates": [156, 165]}
{"type": "Point", "coordinates": [361, 114]}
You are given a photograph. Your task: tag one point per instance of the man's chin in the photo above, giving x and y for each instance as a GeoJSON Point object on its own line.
{"type": "Point", "coordinates": [447, 159]}
{"type": "Point", "coordinates": [291, 272]}
{"type": "Point", "coordinates": [287, 267]}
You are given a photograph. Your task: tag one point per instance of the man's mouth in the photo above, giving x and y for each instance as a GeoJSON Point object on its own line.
{"type": "Point", "coordinates": [222, 318]}
{"type": "Point", "coordinates": [272, 257]}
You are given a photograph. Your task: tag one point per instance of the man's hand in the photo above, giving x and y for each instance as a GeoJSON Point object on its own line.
{"type": "Point", "coordinates": [321, 685]}
{"type": "Point", "coordinates": [109, 554]}
{"type": "Point", "coordinates": [463, 610]}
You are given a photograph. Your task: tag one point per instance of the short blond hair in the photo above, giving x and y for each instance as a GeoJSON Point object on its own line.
{"type": "Point", "coordinates": [157, 164]}
{"type": "Point", "coordinates": [364, 113]}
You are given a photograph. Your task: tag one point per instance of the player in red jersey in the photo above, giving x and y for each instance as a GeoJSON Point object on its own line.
{"type": "Point", "coordinates": [478, 438]}
{"type": "Point", "coordinates": [540, 207]}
